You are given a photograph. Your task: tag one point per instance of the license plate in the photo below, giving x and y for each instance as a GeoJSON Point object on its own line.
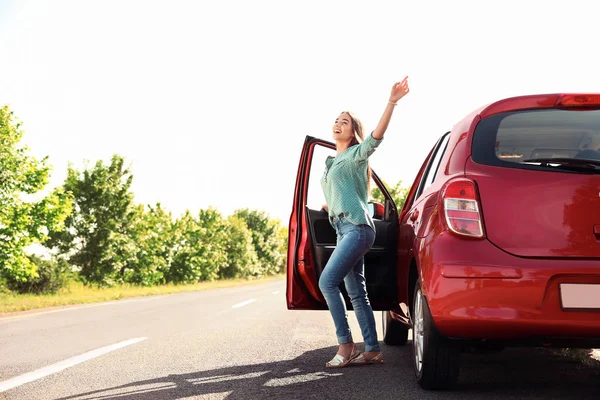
{"type": "Point", "coordinates": [580, 295]}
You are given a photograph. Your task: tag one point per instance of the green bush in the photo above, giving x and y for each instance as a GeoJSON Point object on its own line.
{"type": "Point", "coordinates": [242, 260]}
{"type": "Point", "coordinates": [4, 287]}
{"type": "Point", "coordinates": [152, 237]}
{"type": "Point", "coordinates": [266, 239]}
{"type": "Point", "coordinates": [52, 276]}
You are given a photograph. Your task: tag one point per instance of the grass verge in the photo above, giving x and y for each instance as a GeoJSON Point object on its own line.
{"type": "Point", "coordinates": [77, 293]}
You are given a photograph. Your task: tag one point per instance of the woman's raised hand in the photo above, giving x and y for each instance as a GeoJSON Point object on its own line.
{"type": "Point", "coordinates": [399, 90]}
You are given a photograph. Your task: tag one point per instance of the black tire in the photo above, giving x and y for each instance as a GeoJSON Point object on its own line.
{"type": "Point", "coordinates": [395, 333]}
{"type": "Point", "coordinates": [439, 356]}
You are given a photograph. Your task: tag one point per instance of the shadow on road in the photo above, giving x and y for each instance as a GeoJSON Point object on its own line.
{"type": "Point", "coordinates": [514, 373]}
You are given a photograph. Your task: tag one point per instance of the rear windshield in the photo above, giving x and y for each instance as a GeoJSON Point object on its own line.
{"type": "Point", "coordinates": [554, 140]}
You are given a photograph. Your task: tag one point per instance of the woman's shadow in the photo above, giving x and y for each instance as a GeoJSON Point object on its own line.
{"type": "Point", "coordinates": [299, 378]}
{"type": "Point", "coordinates": [525, 373]}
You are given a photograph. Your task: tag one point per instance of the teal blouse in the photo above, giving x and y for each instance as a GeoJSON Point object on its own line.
{"type": "Point", "coordinates": [344, 182]}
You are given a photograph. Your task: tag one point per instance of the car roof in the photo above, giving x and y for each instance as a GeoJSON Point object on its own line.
{"type": "Point", "coordinates": [534, 101]}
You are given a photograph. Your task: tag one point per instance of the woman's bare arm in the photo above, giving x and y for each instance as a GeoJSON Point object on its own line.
{"type": "Point", "coordinates": [399, 90]}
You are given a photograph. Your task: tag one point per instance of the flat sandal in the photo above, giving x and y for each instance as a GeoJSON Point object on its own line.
{"type": "Point", "coordinates": [338, 361]}
{"type": "Point", "coordinates": [361, 360]}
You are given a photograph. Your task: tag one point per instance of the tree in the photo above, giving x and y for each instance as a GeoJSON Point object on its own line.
{"type": "Point", "coordinates": [265, 238]}
{"type": "Point", "coordinates": [24, 220]}
{"type": "Point", "coordinates": [97, 238]}
{"type": "Point", "coordinates": [398, 193]}
{"type": "Point", "coordinates": [213, 242]}
{"type": "Point", "coordinates": [199, 247]}
{"type": "Point", "coordinates": [153, 238]}
{"type": "Point", "coordinates": [242, 259]}
{"type": "Point", "coordinates": [283, 245]}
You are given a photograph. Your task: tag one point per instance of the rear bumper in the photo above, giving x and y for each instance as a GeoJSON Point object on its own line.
{"type": "Point", "coordinates": [477, 291]}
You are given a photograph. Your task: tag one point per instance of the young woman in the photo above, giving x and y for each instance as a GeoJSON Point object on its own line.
{"type": "Point", "coordinates": [345, 184]}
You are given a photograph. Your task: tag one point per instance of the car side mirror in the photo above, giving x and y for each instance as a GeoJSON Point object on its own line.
{"type": "Point", "coordinates": [376, 210]}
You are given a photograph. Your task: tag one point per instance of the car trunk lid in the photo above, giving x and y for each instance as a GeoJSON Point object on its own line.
{"type": "Point", "coordinates": [539, 197]}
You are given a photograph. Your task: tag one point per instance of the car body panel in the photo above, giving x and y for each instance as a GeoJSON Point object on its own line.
{"type": "Point", "coordinates": [476, 289]}
{"type": "Point", "coordinates": [486, 293]}
{"type": "Point", "coordinates": [543, 214]}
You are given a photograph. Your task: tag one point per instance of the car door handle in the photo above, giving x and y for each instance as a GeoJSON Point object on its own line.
{"type": "Point", "coordinates": [414, 215]}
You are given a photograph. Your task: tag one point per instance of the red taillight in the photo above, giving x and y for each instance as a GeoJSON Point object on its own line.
{"type": "Point", "coordinates": [578, 100]}
{"type": "Point", "coordinates": [461, 208]}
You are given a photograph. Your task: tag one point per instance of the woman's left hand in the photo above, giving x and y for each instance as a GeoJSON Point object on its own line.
{"type": "Point", "coordinates": [399, 90]}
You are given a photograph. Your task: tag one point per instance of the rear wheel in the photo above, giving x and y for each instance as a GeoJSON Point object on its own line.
{"type": "Point", "coordinates": [436, 358]}
{"type": "Point", "coordinates": [395, 333]}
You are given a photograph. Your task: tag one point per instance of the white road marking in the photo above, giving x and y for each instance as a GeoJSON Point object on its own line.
{"type": "Point", "coordinates": [244, 303]}
{"type": "Point", "coordinates": [291, 380]}
{"type": "Point", "coordinates": [277, 292]}
{"type": "Point", "coordinates": [61, 365]}
{"type": "Point", "coordinates": [224, 378]}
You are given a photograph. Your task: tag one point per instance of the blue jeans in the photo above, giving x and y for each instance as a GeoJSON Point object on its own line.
{"type": "Point", "coordinates": [347, 263]}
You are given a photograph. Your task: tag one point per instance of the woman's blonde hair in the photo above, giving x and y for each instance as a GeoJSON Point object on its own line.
{"type": "Point", "coordinates": [359, 136]}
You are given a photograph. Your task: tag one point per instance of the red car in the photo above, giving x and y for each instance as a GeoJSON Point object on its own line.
{"type": "Point", "coordinates": [498, 243]}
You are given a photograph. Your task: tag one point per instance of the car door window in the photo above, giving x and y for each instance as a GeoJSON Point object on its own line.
{"type": "Point", "coordinates": [434, 164]}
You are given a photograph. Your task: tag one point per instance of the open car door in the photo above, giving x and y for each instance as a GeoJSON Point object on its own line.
{"type": "Point", "coordinates": [312, 239]}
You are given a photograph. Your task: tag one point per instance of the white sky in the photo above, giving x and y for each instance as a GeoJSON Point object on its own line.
{"type": "Point", "coordinates": [210, 101]}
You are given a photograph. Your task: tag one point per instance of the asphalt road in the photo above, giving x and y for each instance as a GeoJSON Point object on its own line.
{"type": "Point", "coordinates": [241, 343]}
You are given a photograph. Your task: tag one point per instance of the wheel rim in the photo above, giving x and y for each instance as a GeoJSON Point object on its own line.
{"type": "Point", "coordinates": [418, 342]}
